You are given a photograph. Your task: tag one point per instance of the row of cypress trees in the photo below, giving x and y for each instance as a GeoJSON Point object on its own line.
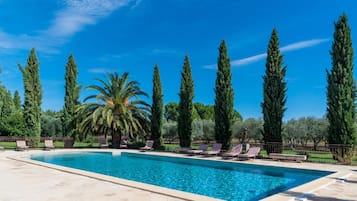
{"type": "Point", "coordinates": [340, 96]}
{"type": "Point", "coordinates": [33, 98]}
{"type": "Point", "coordinates": [223, 103]}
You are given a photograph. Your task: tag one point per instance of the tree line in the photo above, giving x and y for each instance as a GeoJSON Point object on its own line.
{"type": "Point", "coordinates": [304, 131]}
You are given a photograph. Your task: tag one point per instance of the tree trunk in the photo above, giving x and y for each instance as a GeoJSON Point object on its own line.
{"type": "Point", "coordinates": [116, 139]}
{"type": "Point", "coordinates": [68, 142]}
{"type": "Point", "coordinates": [316, 143]}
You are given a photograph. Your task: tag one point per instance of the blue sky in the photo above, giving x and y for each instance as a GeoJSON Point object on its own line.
{"type": "Point", "coordinates": [134, 35]}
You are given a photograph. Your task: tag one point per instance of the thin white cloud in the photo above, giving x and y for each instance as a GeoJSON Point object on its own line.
{"type": "Point", "coordinates": [111, 57]}
{"type": "Point", "coordinates": [98, 70]}
{"type": "Point", "coordinates": [26, 42]}
{"type": "Point", "coordinates": [71, 19]}
{"type": "Point", "coordinates": [140, 51]}
{"type": "Point", "coordinates": [303, 44]}
{"type": "Point", "coordinates": [286, 48]}
{"type": "Point", "coordinates": [158, 51]}
{"type": "Point", "coordinates": [210, 66]}
{"type": "Point", "coordinates": [248, 60]}
{"type": "Point", "coordinates": [4, 40]}
{"type": "Point", "coordinates": [77, 14]}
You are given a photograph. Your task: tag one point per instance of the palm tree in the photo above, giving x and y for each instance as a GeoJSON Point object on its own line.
{"type": "Point", "coordinates": [117, 109]}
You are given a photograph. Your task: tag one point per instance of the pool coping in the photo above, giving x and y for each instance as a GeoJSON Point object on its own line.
{"type": "Point", "coordinates": [301, 191]}
{"type": "Point", "coordinates": [124, 182]}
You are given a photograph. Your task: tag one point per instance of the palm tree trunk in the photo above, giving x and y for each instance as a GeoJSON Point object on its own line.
{"type": "Point", "coordinates": [116, 139]}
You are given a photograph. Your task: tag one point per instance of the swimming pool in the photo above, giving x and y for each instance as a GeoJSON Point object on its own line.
{"type": "Point", "coordinates": [218, 179]}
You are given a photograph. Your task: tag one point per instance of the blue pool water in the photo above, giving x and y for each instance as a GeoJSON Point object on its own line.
{"type": "Point", "coordinates": [223, 180]}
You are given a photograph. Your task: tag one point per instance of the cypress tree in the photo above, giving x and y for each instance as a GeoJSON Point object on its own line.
{"type": "Point", "coordinates": [17, 101]}
{"type": "Point", "coordinates": [157, 109]}
{"type": "Point", "coordinates": [223, 108]}
{"type": "Point", "coordinates": [341, 92]}
{"type": "Point", "coordinates": [185, 118]}
{"type": "Point", "coordinates": [274, 96]}
{"type": "Point", "coordinates": [7, 106]}
{"type": "Point", "coordinates": [6, 110]}
{"type": "Point", "coordinates": [33, 98]}
{"type": "Point", "coordinates": [69, 122]}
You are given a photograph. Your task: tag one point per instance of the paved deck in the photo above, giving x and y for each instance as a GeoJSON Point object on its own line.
{"type": "Point", "coordinates": [21, 180]}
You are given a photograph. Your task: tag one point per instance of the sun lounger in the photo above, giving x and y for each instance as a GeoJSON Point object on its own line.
{"type": "Point", "coordinates": [235, 151]}
{"type": "Point", "coordinates": [103, 143]}
{"type": "Point", "coordinates": [21, 145]}
{"type": "Point", "coordinates": [49, 145]}
{"type": "Point", "coordinates": [183, 150]}
{"type": "Point", "coordinates": [123, 143]}
{"type": "Point", "coordinates": [148, 146]}
{"type": "Point", "coordinates": [202, 148]}
{"type": "Point", "coordinates": [295, 157]}
{"type": "Point", "coordinates": [216, 149]}
{"type": "Point", "coordinates": [252, 153]}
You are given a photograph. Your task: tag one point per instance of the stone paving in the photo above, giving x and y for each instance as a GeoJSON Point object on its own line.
{"type": "Point", "coordinates": [23, 182]}
{"type": "Point", "coordinates": [339, 190]}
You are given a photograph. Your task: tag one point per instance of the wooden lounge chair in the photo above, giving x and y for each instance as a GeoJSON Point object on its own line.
{"type": "Point", "coordinates": [123, 143]}
{"type": "Point", "coordinates": [103, 143]}
{"type": "Point", "coordinates": [216, 149]}
{"type": "Point", "coordinates": [183, 150]}
{"type": "Point", "coordinates": [202, 148]}
{"type": "Point", "coordinates": [148, 146]}
{"type": "Point", "coordinates": [235, 151]}
{"type": "Point", "coordinates": [49, 145]}
{"type": "Point", "coordinates": [252, 153]}
{"type": "Point", "coordinates": [295, 157]}
{"type": "Point", "coordinates": [21, 145]}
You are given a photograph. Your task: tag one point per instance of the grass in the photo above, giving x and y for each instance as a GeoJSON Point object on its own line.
{"type": "Point", "coordinates": [41, 145]}
{"type": "Point", "coordinates": [173, 147]}
{"type": "Point", "coordinates": [8, 145]}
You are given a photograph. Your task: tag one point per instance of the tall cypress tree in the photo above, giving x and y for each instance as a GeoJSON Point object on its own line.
{"type": "Point", "coordinates": [17, 101]}
{"type": "Point", "coordinates": [223, 108]}
{"type": "Point", "coordinates": [69, 122]}
{"type": "Point", "coordinates": [6, 111]}
{"type": "Point", "coordinates": [8, 103]}
{"type": "Point", "coordinates": [157, 109]}
{"type": "Point", "coordinates": [185, 118]}
{"type": "Point", "coordinates": [33, 98]}
{"type": "Point", "coordinates": [341, 91]}
{"type": "Point", "coordinates": [273, 105]}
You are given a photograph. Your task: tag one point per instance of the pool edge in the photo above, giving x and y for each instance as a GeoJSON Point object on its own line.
{"type": "Point", "coordinates": [306, 190]}
{"type": "Point", "coordinates": [119, 181]}
{"type": "Point", "coordinates": [301, 191]}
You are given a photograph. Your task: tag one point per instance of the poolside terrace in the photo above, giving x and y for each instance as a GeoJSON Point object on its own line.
{"type": "Point", "coordinates": [24, 179]}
